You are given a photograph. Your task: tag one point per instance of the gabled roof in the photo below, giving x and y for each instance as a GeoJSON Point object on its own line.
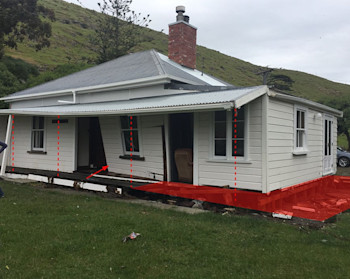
{"type": "Point", "coordinates": [132, 67]}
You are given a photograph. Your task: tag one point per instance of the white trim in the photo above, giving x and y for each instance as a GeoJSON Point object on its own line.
{"type": "Point", "coordinates": [245, 99]}
{"type": "Point", "coordinates": [167, 145]}
{"type": "Point", "coordinates": [195, 148]}
{"type": "Point", "coordinates": [44, 129]}
{"type": "Point", "coordinates": [265, 145]}
{"type": "Point", "coordinates": [6, 151]}
{"type": "Point", "coordinates": [149, 111]}
{"type": "Point", "coordinates": [126, 151]}
{"type": "Point", "coordinates": [331, 119]}
{"type": "Point", "coordinates": [229, 157]}
{"type": "Point", "coordinates": [304, 149]}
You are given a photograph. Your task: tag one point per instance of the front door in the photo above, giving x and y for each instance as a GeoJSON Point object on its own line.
{"type": "Point", "coordinates": [328, 145]}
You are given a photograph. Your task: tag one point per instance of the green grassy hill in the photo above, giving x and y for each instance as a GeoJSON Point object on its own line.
{"type": "Point", "coordinates": [70, 45]}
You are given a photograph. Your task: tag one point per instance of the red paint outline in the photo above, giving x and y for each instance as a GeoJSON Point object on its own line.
{"type": "Point", "coordinates": [131, 148]}
{"type": "Point", "coordinates": [13, 144]}
{"type": "Point", "coordinates": [318, 199]}
{"type": "Point", "coordinates": [58, 145]}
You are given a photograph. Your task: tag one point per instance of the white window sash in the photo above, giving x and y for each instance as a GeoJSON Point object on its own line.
{"type": "Point", "coordinates": [126, 149]}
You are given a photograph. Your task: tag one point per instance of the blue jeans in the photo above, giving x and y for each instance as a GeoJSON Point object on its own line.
{"type": "Point", "coordinates": [1, 193]}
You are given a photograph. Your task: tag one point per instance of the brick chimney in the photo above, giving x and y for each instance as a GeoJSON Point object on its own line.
{"type": "Point", "coordinates": [182, 40]}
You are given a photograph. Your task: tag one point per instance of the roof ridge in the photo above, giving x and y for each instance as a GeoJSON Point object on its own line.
{"type": "Point", "coordinates": [157, 62]}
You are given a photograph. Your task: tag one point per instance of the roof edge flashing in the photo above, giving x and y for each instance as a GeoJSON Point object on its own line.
{"type": "Point", "coordinates": [309, 103]}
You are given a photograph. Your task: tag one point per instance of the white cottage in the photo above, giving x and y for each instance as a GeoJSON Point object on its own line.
{"type": "Point", "coordinates": [280, 140]}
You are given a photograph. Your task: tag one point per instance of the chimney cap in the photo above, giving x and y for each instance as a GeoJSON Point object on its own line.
{"type": "Point", "coordinates": [180, 9]}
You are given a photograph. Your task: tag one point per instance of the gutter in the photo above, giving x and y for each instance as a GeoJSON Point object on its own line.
{"type": "Point", "coordinates": [154, 110]}
{"type": "Point", "coordinates": [308, 103]}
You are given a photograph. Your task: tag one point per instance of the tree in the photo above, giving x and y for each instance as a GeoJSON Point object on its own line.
{"type": "Point", "coordinates": [281, 82]}
{"type": "Point", "coordinates": [20, 19]}
{"type": "Point", "coordinates": [118, 30]}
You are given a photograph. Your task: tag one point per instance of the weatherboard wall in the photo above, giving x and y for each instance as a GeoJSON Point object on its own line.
{"type": "Point", "coordinates": [151, 147]}
{"type": "Point", "coordinates": [285, 168]}
{"type": "Point", "coordinates": [97, 97]}
{"type": "Point", "coordinates": [222, 173]}
{"type": "Point", "coordinates": [48, 161]}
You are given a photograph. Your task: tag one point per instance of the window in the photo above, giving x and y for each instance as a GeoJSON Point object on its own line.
{"type": "Point", "coordinates": [130, 135]}
{"type": "Point", "coordinates": [300, 129]}
{"type": "Point", "coordinates": [38, 133]}
{"type": "Point", "coordinates": [229, 132]}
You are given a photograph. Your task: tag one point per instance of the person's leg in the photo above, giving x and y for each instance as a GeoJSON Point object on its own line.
{"type": "Point", "coordinates": [1, 193]}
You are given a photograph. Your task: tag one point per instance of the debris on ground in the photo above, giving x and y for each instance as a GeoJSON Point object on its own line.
{"type": "Point", "coordinates": [131, 236]}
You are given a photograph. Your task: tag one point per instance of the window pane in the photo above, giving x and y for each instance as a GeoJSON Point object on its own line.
{"type": "Point", "coordinates": [38, 139]}
{"type": "Point", "coordinates": [41, 122]}
{"type": "Point", "coordinates": [136, 141]}
{"type": "Point", "coordinates": [220, 130]}
{"type": "Point", "coordinates": [300, 138]}
{"type": "Point", "coordinates": [240, 114]}
{"type": "Point", "coordinates": [35, 122]}
{"type": "Point", "coordinates": [124, 122]}
{"type": "Point", "coordinates": [134, 122]}
{"type": "Point", "coordinates": [302, 119]}
{"type": "Point", "coordinates": [238, 147]}
{"type": "Point", "coordinates": [126, 136]}
{"type": "Point", "coordinates": [239, 130]}
{"type": "Point", "coordinates": [220, 115]}
{"type": "Point", "coordinates": [220, 147]}
{"type": "Point", "coordinates": [298, 118]}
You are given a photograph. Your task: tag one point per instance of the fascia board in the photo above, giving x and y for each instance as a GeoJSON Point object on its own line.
{"type": "Point", "coordinates": [308, 103]}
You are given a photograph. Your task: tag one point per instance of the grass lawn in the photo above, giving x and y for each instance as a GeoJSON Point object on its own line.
{"type": "Point", "coordinates": [46, 233]}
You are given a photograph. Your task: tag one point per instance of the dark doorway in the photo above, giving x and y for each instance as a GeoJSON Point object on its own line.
{"type": "Point", "coordinates": [91, 154]}
{"type": "Point", "coordinates": [180, 137]}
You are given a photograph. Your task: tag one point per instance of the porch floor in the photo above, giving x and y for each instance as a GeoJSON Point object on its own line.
{"type": "Point", "coordinates": [318, 199]}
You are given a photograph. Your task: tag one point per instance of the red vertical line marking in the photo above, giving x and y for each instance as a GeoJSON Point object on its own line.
{"type": "Point", "coordinates": [58, 146]}
{"type": "Point", "coordinates": [13, 144]}
{"type": "Point", "coordinates": [235, 152]}
{"type": "Point", "coordinates": [131, 150]}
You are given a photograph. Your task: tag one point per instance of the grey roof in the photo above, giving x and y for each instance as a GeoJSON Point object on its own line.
{"type": "Point", "coordinates": [130, 67]}
{"type": "Point", "coordinates": [193, 101]}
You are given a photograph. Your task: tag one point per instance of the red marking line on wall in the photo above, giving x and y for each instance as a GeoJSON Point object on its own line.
{"type": "Point", "coordinates": [235, 153]}
{"type": "Point", "coordinates": [131, 150]}
{"type": "Point", "coordinates": [13, 144]}
{"type": "Point", "coordinates": [58, 146]}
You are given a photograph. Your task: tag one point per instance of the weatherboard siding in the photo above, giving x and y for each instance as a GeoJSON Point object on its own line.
{"type": "Point", "coordinates": [151, 145]}
{"type": "Point", "coordinates": [284, 168]}
{"type": "Point", "coordinates": [249, 175]}
{"type": "Point", "coordinates": [22, 135]}
{"type": "Point", "coordinates": [97, 97]}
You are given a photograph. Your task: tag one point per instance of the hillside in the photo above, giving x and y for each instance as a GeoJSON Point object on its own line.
{"type": "Point", "coordinates": [74, 25]}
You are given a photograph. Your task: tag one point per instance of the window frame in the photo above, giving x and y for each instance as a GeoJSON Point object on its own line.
{"type": "Point", "coordinates": [229, 137]}
{"type": "Point", "coordinates": [33, 130]}
{"type": "Point", "coordinates": [300, 150]}
{"type": "Point", "coordinates": [126, 151]}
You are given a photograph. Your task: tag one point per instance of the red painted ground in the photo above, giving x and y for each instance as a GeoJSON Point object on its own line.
{"type": "Point", "coordinates": [318, 199]}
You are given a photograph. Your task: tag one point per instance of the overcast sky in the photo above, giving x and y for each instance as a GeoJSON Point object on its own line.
{"type": "Point", "coordinates": [312, 36]}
